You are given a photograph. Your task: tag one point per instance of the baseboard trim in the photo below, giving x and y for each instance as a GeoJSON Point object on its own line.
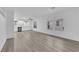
{"type": "Point", "coordinates": [10, 38]}
{"type": "Point", "coordinates": [2, 44]}
{"type": "Point", "coordinates": [57, 36]}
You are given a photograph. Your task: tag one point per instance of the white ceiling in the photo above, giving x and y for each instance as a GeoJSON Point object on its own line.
{"type": "Point", "coordinates": [35, 11]}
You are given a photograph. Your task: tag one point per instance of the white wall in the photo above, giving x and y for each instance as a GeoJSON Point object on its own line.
{"type": "Point", "coordinates": [27, 26]}
{"type": "Point", "coordinates": [2, 31]}
{"type": "Point", "coordinates": [6, 25]}
{"type": "Point", "coordinates": [9, 22]}
{"type": "Point", "coordinates": [71, 23]}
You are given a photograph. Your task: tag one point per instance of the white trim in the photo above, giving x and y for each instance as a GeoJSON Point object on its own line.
{"type": "Point", "coordinates": [2, 44]}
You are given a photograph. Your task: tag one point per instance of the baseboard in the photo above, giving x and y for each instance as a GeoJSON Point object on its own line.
{"type": "Point", "coordinates": [2, 44]}
{"type": "Point", "coordinates": [57, 36]}
{"type": "Point", "coordinates": [10, 38]}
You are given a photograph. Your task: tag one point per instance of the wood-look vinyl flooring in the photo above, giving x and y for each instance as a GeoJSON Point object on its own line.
{"type": "Point", "coordinates": [31, 41]}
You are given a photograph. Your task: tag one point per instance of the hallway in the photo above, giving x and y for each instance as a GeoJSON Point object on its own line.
{"type": "Point", "coordinates": [31, 41]}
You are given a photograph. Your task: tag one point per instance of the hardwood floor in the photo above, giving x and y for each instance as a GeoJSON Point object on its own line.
{"type": "Point", "coordinates": [9, 45]}
{"type": "Point", "coordinates": [30, 41]}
